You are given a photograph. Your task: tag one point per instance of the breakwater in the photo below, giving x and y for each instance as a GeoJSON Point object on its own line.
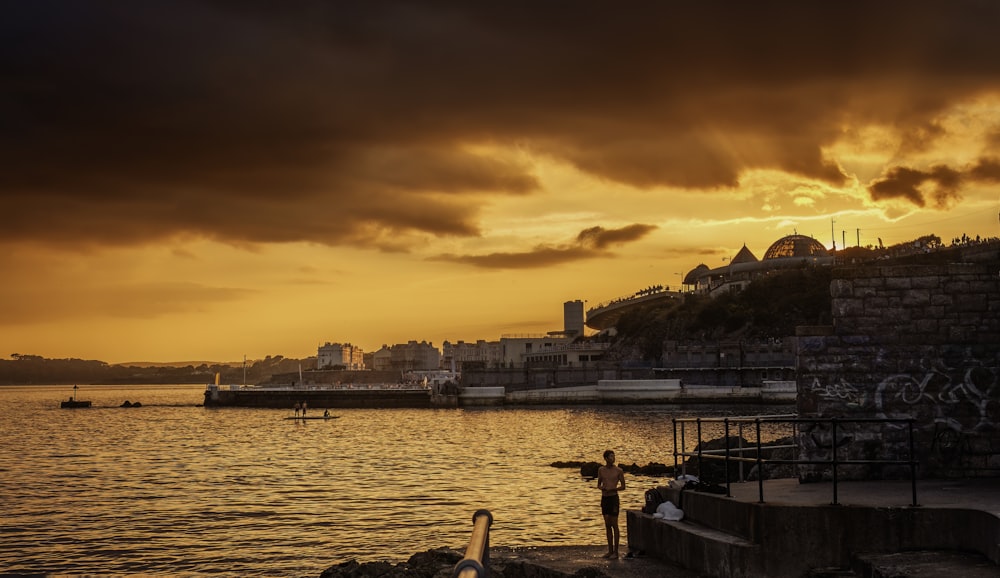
{"type": "Point", "coordinates": [319, 398]}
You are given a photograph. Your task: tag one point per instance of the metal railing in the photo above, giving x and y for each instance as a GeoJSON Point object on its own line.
{"type": "Point", "coordinates": [757, 447]}
{"type": "Point", "coordinates": [476, 563]}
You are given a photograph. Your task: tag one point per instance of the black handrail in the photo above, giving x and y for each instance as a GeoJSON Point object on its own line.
{"type": "Point", "coordinates": [833, 462]}
{"type": "Point", "coordinates": [476, 563]}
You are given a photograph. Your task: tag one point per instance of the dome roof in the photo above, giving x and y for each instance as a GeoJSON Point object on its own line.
{"type": "Point", "coordinates": [795, 246]}
{"type": "Point", "coordinates": [694, 274]}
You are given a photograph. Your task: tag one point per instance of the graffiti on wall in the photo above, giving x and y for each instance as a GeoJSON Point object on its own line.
{"type": "Point", "coordinates": [966, 401]}
{"type": "Point", "coordinates": [839, 391]}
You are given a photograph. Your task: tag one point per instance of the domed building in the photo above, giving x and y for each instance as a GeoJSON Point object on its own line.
{"type": "Point", "coordinates": [785, 253]}
{"type": "Point", "coordinates": [796, 246]}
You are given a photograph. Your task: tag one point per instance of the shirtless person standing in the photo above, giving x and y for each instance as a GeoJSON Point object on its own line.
{"type": "Point", "coordinates": [610, 480]}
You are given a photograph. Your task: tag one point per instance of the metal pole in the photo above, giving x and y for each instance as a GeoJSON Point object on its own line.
{"type": "Point", "coordinates": [760, 465]}
{"type": "Point", "coordinates": [674, 421]}
{"type": "Point", "coordinates": [913, 466]}
{"type": "Point", "coordinates": [729, 493]}
{"type": "Point", "coordinates": [683, 449]}
{"type": "Point", "coordinates": [739, 429]}
{"type": "Point", "coordinates": [834, 429]}
{"type": "Point", "coordinates": [701, 474]}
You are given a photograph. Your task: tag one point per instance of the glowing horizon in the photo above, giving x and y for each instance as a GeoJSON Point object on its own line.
{"type": "Point", "coordinates": [219, 181]}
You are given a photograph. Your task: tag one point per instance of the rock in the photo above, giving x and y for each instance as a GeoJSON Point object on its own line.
{"type": "Point", "coordinates": [435, 563]}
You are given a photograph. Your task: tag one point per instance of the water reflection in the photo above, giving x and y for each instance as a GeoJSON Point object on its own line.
{"type": "Point", "coordinates": [172, 488]}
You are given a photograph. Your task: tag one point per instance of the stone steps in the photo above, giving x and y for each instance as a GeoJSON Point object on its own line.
{"type": "Point", "coordinates": [698, 547]}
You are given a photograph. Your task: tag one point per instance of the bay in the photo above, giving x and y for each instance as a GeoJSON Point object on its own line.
{"type": "Point", "coordinates": [172, 488]}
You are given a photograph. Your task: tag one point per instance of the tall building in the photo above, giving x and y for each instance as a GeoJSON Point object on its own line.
{"type": "Point", "coordinates": [332, 355]}
{"type": "Point", "coordinates": [573, 318]}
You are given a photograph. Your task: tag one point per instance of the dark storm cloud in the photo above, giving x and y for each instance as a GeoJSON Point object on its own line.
{"type": "Point", "coordinates": [589, 244]}
{"type": "Point", "coordinates": [939, 184]}
{"type": "Point", "coordinates": [357, 122]}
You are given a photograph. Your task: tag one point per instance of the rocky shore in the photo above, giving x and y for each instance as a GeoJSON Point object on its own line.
{"type": "Point", "coordinates": [440, 563]}
{"type": "Point", "coordinates": [710, 470]}
{"type": "Point", "coordinates": [544, 562]}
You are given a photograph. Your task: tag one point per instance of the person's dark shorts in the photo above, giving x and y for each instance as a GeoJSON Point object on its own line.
{"type": "Point", "coordinates": [610, 505]}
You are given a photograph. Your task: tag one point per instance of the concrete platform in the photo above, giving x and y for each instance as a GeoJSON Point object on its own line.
{"type": "Point", "coordinates": [792, 500]}
{"type": "Point", "coordinates": [798, 528]}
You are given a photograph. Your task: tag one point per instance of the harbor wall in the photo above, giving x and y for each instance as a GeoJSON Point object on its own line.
{"type": "Point", "coordinates": [919, 342]}
{"type": "Point", "coordinates": [627, 392]}
{"type": "Point", "coordinates": [317, 399]}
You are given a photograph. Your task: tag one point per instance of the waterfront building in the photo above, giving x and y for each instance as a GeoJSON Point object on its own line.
{"type": "Point", "coordinates": [485, 353]}
{"type": "Point", "coordinates": [334, 355]}
{"type": "Point", "coordinates": [412, 356]}
{"type": "Point", "coordinates": [382, 359]}
{"type": "Point", "coordinates": [515, 348]}
{"type": "Point", "coordinates": [786, 253]}
{"type": "Point", "coordinates": [567, 355]}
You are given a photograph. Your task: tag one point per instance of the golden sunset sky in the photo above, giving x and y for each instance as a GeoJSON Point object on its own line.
{"type": "Point", "coordinates": [204, 180]}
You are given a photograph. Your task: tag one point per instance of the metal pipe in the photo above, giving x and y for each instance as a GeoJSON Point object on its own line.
{"type": "Point", "coordinates": [476, 563]}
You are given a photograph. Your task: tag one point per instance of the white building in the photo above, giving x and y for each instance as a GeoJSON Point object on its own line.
{"type": "Point", "coordinates": [514, 348]}
{"type": "Point", "coordinates": [333, 355]}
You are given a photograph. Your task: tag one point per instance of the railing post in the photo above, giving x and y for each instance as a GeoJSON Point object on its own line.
{"type": "Point", "coordinates": [476, 563]}
{"type": "Point", "coordinates": [760, 464]}
{"type": "Point", "coordinates": [701, 472]}
{"type": "Point", "coordinates": [674, 421]}
{"type": "Point", "coordinates": [739, 442]}
{"type": "Point", "coordinates": [833, 421]}
{"type": "Point", "coordinates": [913, 464]}
{"type": "Point", "coordinates": [729, 493]}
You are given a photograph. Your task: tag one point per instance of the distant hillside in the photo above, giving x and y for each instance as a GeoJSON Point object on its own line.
{"type": "Point", "coordinates": [34, 369]}
{"type": "Point", "coordinates": [179, 363]}
{"type": "Point", "coordinates": [771, 307]}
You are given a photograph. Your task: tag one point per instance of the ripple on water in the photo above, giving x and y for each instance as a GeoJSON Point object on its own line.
{"type": "Point", "coordinates": [170, 488]}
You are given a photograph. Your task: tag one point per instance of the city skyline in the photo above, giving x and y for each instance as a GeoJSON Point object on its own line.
{"type": "Point", "coordinates": [205, 180]}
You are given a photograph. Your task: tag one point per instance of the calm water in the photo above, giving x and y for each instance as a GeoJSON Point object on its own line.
{"type": "Point", "coordinates": [173, 488]}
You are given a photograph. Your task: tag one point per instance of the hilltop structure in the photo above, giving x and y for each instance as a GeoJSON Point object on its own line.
{"type": "Point", "coordinates": [785, 253]}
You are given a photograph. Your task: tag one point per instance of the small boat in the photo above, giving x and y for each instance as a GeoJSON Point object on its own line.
{"type": "Point", "coordinates": [73, 402]}
{"type": "Point", "coordinates": [313, 417]}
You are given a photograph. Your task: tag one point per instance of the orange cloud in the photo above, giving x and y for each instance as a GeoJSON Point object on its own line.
{"type": "Point", "coordinates": [589, 244]}
{"type": "Point", "coordinates": [906, 183]}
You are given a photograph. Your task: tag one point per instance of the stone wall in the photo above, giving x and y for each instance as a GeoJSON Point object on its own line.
{"type": "Point", "coordinates": [909, 341]}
